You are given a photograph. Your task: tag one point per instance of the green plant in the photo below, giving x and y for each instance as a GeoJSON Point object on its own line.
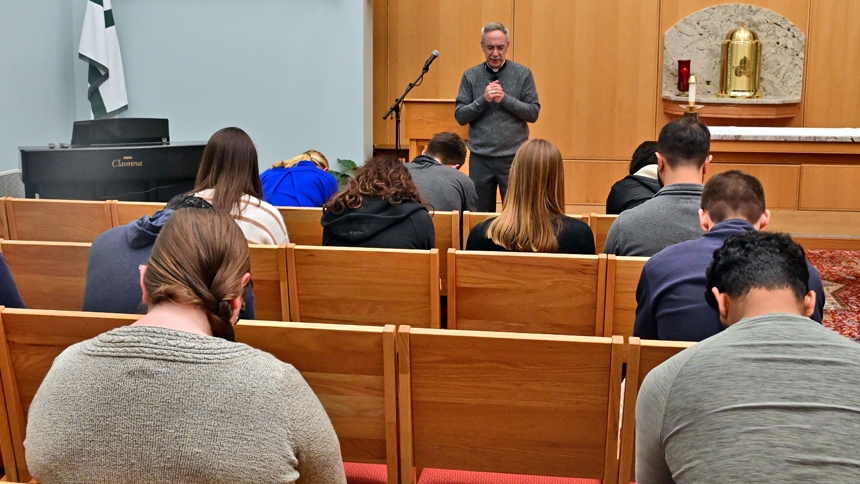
{"type": "Point", "coordinates": [346, 174]}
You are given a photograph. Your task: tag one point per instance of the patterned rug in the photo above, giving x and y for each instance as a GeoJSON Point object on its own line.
{"type": "Point", "coordinates": [840, 273]}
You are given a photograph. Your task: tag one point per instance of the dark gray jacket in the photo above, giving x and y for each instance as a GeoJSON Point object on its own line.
{"type": "Point", "coordinates": [497, 129]}
{"type": "Point", "coordinates": [444, 187]}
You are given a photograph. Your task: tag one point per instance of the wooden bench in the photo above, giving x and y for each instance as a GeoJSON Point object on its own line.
{"type": "Point", "coordinates": [269, 273]}
{"type": "Point", "coordinates": [49, 275]}
{"type": "Point", "coordinates": [363, 286]}
{"type": "Point", "coordinates": [526, 293]}
{"type": "Point", "coordinates": [600, 224]}
{"type": "Point", "coordinates": [818, 242]}
{"type": "Point", "coordinates": [642, 357]}
{"type": "Point", "coordinates": [622, 278]}
{"type": "Point", "coordinates": [510, 403]}
{"type": "Point", "coordinates": [350, 368]}
{"type": "Point", "coordinates": [447, 228]}
{"type": "Point", "coordinates": [56, 220]}
{"type": "Point", "coordinates": [303, 224]}
{"type": "Point", "coordinates": [124, 213]}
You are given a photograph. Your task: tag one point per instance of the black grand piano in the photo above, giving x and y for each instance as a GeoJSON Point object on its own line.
{"type": "Point", "coordinates": [129, 159]}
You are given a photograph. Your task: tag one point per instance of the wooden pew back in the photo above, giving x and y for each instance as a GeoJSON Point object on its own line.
{"type": "Point", "coordinates": [600, 224]}
{"type": "Point", "coordinates": [303, 224]}
{"type": "Point", "coordinates": [447, 227]}
{"type": "Point", "coordinates": [4, 224]}
{"type": "Point", "coordinates": [269, 273]}
{"type": "Point", "coordinates": [57, 220]}
{"type": "Point", "coordinates": [526, 293]}
{"type": "Point", "coordinates": [622, 278]}
{"type": "Point", "coordinates": [352, 371]}
{"type": "Point", "coordinates": [642, 357]}
{"type": "Point", "coordinates": [363, 286]}
{"type": "Point", "coordinates": [513, 403]}
{"type": "Point", "coordinates": [49, 275]}
{"type": "Point", "coordinates": [30, 340]}
{"type": "Point", "coordinates": [124, 213]}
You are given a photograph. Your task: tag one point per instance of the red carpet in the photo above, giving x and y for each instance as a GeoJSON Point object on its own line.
{"type": "Point", "coordinates": [840, 273]}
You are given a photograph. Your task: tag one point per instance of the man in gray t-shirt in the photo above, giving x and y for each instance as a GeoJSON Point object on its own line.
{"type": "Point", "coordinates": [773, 398]}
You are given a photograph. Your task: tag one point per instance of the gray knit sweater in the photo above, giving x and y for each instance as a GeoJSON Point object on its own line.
{"type": "Point", "coordinates": [497, 129]}
{"type": "Point", "coordinates": [141, 404]}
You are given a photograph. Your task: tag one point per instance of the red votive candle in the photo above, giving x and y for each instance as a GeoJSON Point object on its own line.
{"type": "Point", "coordinates": [683, 75]}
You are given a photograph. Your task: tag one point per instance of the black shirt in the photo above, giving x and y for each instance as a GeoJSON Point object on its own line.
{"type": "Point", "coordinates": [575, 237]}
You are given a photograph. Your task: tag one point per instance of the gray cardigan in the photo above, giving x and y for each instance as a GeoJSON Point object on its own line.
{"type": "Point", "coordinates": [141, 404]}
{"type": "Point", "coordinates": [497, 129]}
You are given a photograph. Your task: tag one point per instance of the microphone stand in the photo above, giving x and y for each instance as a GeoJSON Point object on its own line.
{"type": "Point", "coordinates": [395, 108]}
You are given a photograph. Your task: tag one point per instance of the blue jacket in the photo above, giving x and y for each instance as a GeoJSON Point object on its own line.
{"type": "Point", "coordinates": [302, 185]}
{"type": "Point", "coordinates": [671, 294]}
{"type": "Point", "coordinates": [113, 278]}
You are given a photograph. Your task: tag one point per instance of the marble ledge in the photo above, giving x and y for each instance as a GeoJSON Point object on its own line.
{"type": "Point", "coordinates": [769, 100]}
{"type": "Point", "coordinates": [808, 135]}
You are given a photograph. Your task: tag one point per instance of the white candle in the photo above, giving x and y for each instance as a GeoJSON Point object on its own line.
{"type": "Point", "coordinates": [692, 91]}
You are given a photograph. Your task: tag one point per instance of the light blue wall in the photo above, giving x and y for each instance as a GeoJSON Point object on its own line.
{"type": "Point", "coordinates": [294, 74]}
{"type": "Point", "coordinates": [37, 102]}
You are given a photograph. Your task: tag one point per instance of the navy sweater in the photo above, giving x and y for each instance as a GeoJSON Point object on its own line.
{"type": "Point", "coordinates": [671, 294]}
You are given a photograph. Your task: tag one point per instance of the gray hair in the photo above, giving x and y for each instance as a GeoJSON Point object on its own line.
{"type": "Point", "coordinates": [495, 26]}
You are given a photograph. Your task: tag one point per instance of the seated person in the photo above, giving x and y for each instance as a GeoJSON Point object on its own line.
{"type": "Point", "coordinates": [113, 279]}
{"type": "Point", "coordinates": [303, 181]}
{"type": "Point", "coordinates": [9, 295]}
{"type": "Point", "coordinates": [532, 217]}
{"type": "Point", "coordinates": [443, 188]}
{"type": "Point", "coordinates": [229, 179]}
{"type": "Point", "coordinates": [380, 208]}
{"type": "Point", "coordinates": [640, 185]}
{"type": "Point", "coordinates": [773, 398]}
{"type": "Point", "coordinates": [671, 293]}
{"type": "Point", "coordinates": [672, 215]}
{"type": "Point", "coordinates": [172, 397]}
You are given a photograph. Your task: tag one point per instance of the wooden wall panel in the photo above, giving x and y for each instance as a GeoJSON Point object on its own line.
{"type": "Point", "coordinates": [595, 66]}
{"type": "Point", "coordinates": [781, 182]}
{"type": "Point", "coordinates": [381, 134]}
{"type": "Point", "coordinates": [453, 27]}
{"type": "Point", "coordinates": [587, 182]}
{"type": "Point", "coordinates": [833, 66]}
{"type": "Point", "coordinates": [671, 11]}
{"type": "Point", "coordinates": [829, 187]}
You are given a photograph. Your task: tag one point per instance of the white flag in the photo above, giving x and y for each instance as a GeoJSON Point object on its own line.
{"type": "Point", "coordinates": [100, 48]}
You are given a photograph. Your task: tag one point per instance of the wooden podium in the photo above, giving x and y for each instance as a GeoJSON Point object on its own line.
{"type": "Point", "coordinates": [422, 118]}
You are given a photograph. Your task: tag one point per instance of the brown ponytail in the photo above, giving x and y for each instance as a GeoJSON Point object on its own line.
{"type": "Point", "coordinates": [198, 260]}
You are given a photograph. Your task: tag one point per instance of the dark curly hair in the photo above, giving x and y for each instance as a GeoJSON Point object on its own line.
{"type": "Point", "coordinates": [761, 260]}
{"type": "Point", "coordinates": [381, 176]}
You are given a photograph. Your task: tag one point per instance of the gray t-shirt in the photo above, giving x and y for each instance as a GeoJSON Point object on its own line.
{"type": "Point", "coordinates": [670, 217]}
{"type": "Point", "coordinates": [141, 404]}
{"type": "Point", "coordinates": [775, 398]}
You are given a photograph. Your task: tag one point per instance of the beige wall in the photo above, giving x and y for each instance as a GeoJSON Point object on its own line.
{"type": "Point", "coordinates": [597, 68]}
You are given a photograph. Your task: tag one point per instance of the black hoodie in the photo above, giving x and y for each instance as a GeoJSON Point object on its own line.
{"type": "Point", "coordinates": [378, 223]}
{"type": "Point", "coordinates": [631, 191]}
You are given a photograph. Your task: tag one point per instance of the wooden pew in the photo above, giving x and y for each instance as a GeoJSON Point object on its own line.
{"type": "Point", "coordinates": [600, 224]}
{"type": "Point", "coordinates": [123, 213]}
{"type": "Point", "coordinates": [4, 224]}
{"type": "Point", "coordinates": [57, 220]}
{"type": "Point", "coordinates": [49, 275]}
{"type": "Point", "coordinates": [29, 342]}
{"type": "Point", "coordinates": [642, 357]}
{"type": "Point", "coordinates": [303, 224]}
{"type": "Point", "coordinates": [363, 286]}
{"type": "Point", "coordinates": [622, 278]}
{"type": "Point", "coordinates": [352, 371]}
{"type": "Point", "coordinates": [447, 228]}
{"type": "Point", "coordinates": [511, 403]}
{"type": "Point", "coordinates": [835, 242]}
{"type": "Point", "coordinates": [269, 273]}
{"type": "Point", "coordinates": [526, 293]}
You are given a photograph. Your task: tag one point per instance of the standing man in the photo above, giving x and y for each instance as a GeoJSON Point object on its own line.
{"type": "Point", "coordinates": [497, 99]}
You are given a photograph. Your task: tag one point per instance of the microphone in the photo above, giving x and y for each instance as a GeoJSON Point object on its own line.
{"type": "Point", "coordinates": [433, 57]}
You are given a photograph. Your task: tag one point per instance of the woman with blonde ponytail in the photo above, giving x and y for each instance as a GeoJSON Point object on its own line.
{"type": "Point", "coordinates": [172, 398]}
{"type": "Point", "coordinates": [301, 181]}
{"type": "Point", "coordinates": [532, 217]}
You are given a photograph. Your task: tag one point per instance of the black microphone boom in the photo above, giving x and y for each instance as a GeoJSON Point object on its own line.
{"type": "Point", "coordinates": [433, 57]}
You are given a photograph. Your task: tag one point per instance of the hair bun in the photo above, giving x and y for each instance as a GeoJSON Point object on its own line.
{"type": "Point", "coordinates": [225, 311]}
